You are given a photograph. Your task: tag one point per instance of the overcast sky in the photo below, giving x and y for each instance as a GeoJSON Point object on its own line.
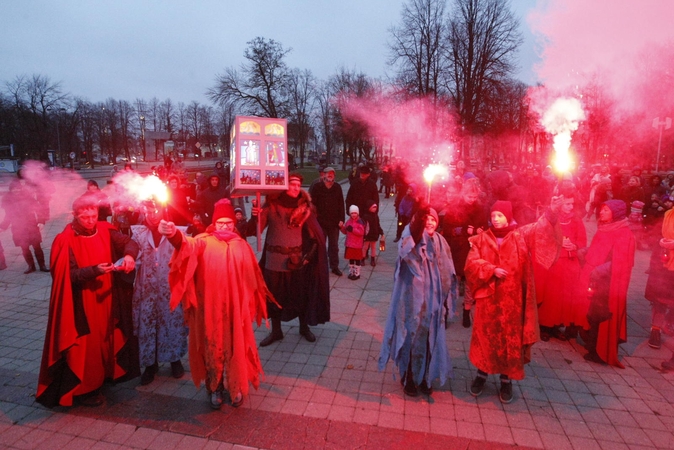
{"type": "Point", "coordinates": [128, 49]}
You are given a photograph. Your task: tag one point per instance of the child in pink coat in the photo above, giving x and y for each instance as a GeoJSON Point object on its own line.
{"type": "Point", "coordinates": [355, 230]}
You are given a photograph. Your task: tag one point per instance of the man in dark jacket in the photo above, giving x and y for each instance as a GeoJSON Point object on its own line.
{"type": "Point", "coordinates": [207, 198]}
{"type": "Point", "coordinates": [362, 189]}
{"type": "Point", "coordinates": [329, 201]}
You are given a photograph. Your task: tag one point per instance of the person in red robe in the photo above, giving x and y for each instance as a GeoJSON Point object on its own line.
{"type": "Point", "coordinates": [89, 336]}
{"type": "Point", "coordinates": [557, 287]}
{"type": "Point", "coordinates": [605, 278]}
{"type": "Point", "coordinates": [499, 275]}
{"type": "Point", "coordinates": [217, 279]}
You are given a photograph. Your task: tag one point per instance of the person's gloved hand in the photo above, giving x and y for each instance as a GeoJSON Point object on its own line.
{"type": "Point", "coordinates": [349, 228]}
{"type": "Point", "coordinates": [418, 223]}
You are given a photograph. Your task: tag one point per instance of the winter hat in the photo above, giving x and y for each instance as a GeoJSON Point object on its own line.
{"type": "Point", "coordinates": [434, 213]}
{"type": "Point", "coordinates": [365, 170]}
{"type": "Point", "coordinates": [618, 208]}
{"type": "Point", "coordinates": [505, 208]}
{"type": "Point", "coordinates": [223, 208]}
{"type": "Point", "coordinates": [354, 209]}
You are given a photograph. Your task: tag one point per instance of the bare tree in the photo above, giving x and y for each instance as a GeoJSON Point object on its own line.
{"type": "Point", "coordinates": [260, 87]}
{"type": "Point", "coordinates": [301, 92]}
{"type": "Point", "coordinates": [417, 46]}
{"type": "Point", "coordinates": [326, 115]}
{"type": "Point", "coordinates": [483, 38]}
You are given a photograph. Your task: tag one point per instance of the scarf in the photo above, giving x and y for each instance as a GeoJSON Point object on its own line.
{"type": "Point", "coordinates": [612, 226]}
{"type": "Point", "coordinates": [668, 233]}
{"type": "Point", "coordinates": [502, 232]}
{"type": "Point", "coordinates": [81, 231]}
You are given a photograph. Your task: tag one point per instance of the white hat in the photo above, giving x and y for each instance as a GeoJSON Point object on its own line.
{"type": "Point", "coordinates": [354, 209]}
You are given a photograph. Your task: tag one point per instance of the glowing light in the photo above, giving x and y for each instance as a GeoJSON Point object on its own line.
{"type": "Point", "coordinates": [138, 188]}
{"type": "Point", "coordinates": [434, 170]}
{"type": "Point", "coordinates": [561, 120]}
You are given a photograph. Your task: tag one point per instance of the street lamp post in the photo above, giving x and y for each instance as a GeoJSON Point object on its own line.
{"type": "Point", "coordinates": [142, 136]}
{"type": "Point", "coordinates": [665, 124]}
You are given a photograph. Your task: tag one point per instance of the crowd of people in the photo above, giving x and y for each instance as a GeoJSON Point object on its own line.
{"type": "Point", "coordinates": [182, 280]}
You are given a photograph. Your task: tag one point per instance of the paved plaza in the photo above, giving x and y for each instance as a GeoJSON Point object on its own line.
{"type": "Point", "coordinates": [330, 394]}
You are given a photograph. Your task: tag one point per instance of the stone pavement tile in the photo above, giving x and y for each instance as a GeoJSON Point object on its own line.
{"type": "Point", "coordinates": [547, 424]}
{"type": "Point", "coordinates": [579, 443]}
{"type": "Point", "coordinates": [471, 430]}
{"type": "Point", "coordinates": [97, 429]}
{"type": "Point", "coordinates": [635, 404]}
{"type": "Point", "coordinates": [77, 425]}
{"type": "Point", "coordinates": [317, 410]}
{"type": "Point", "coordinates": [661, 439]}
{"type": "Point", "coordinates": [576, 428]}
{"type": "Point", "coordinates": [467, 414]}
{"type": "Point", "coordinates": [634, 436]}
{"type": "Point", "coordinates": [498, 433]}
{"type": "Point", "coordinates": [366, 416]}
{"type": "Point", "coordinates": [341, 413]}
{"type": "Point", "coordinates": [553, 441]}
{"type": "Point", "coordinates": [21, 413]}
{"type": "Point", "coordinates": [583, 399]}
{"type": "Point", "coordinates": [603, 432]}
{"type": "Point", "coordinates": [620, 418]}
{"type": "Point", "coordinates": [142, 437]}
{"type": "Point", "coordinates": [609, 445]}
{"type": "Point", "coordinates": [609, 402]}
{"type": "Point", "coordinates": [650, 421]}
{"type": "Point", "coordinates": [296, 407]}
{"type": "Point", "coordinates": [164, 440]}
{"type": "Point", "coordinates": [598, 388]}
{"type": "Point", "coordinates": [493, 417]}
{"type": "Point", "coordinates": [566, 411]}
{"type": "Point", "coordinates": [345, 399]}
{"type": "Point", "coordinates": [56, 441]}
{"type": "Point", "coordinates": [417, 423]}
{"type": "Point", "coordinates": [35, 418]}
{"type": "Point", "coordinates": [80, 443]}
{"type": "Point", "coordinates": [447, 427]}
{"type": "Point", "coordinates": [417, 406]}
{"type": "Point", "coordinates": [193, 443]}
{"type": "Point", "coordinates": [391, 420]}
{"type": "Point", "coordinates": [527, 438]}
{"type": "Point", "coordinates": [558, 396]}
{"type": "Point", "coordinates": [24, 437]}
{"type": "Point", "coordinates": [119, 433]}
{"type": "Point", "coordinates": [520, 419]}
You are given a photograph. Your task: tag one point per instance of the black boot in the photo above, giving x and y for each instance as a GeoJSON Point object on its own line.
{"type": "Point", "coordinates": [275, 335]}
{"type": "Point", "coordinates": [306, 332]}
{"type": "Point", "coordinates": [28, 257]}
{"type": "Point", "coordinates": [466, 318]}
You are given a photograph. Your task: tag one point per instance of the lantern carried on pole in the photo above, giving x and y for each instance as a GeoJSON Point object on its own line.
{"type": "Point", "coordinates": [258, 158]}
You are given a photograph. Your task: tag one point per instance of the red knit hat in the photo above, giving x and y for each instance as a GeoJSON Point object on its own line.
{"type": "Point", "coordinates": [505, 208]}
{"type": "Point", "coordinates": [223, 208]}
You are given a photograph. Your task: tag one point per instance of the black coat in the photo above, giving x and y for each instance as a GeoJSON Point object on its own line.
{"type": "Point", "coordinates": [329, 204]}
{"type": "Point", "coordinates": [360, 193]}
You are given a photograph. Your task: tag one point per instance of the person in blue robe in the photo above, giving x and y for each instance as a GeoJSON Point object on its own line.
{"type": "Point", "coordinates": [424, 290]}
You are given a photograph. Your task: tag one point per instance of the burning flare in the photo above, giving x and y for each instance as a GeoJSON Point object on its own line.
{"type": "Point", "coordinates": [561, 120]}
{"type": "Point", "coordinates": [434, 170]}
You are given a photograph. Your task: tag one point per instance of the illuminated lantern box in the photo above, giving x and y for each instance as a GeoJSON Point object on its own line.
{"type": "Point", "coordinates": [259, 161]}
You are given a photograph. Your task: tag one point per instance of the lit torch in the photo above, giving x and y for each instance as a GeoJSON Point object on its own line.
{"type": "Point", "coordinates": [430, 173]}
{"type": "Point", "coordinates": [561, 120]}
{"type": "Point", "coordinates": [158, 191]}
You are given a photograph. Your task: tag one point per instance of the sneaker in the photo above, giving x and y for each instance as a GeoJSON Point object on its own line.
{"type": "Point", "coordinates": [477, 386]}
{"type": "Point", "coordinates": [506, 392]}
{"type": "Point", "coordinates": [216, 399]}
{"type": "Point", "coordinates": [466, 318]}
{"type": "Point", "coordinates": [655, 340]}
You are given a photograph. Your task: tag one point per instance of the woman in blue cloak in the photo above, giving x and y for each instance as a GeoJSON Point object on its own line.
{"type": "Point", "coordinates": [424, 289]}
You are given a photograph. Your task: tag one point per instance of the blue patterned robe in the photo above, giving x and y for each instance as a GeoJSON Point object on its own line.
{"type": "Point", "coordinates": [162, 334]}
{"type": "Point", "coordinates": [424, 288]}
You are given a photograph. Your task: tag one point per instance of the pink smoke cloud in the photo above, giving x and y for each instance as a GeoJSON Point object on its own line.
{"type": "Point", "coordinates": [580, 39]}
